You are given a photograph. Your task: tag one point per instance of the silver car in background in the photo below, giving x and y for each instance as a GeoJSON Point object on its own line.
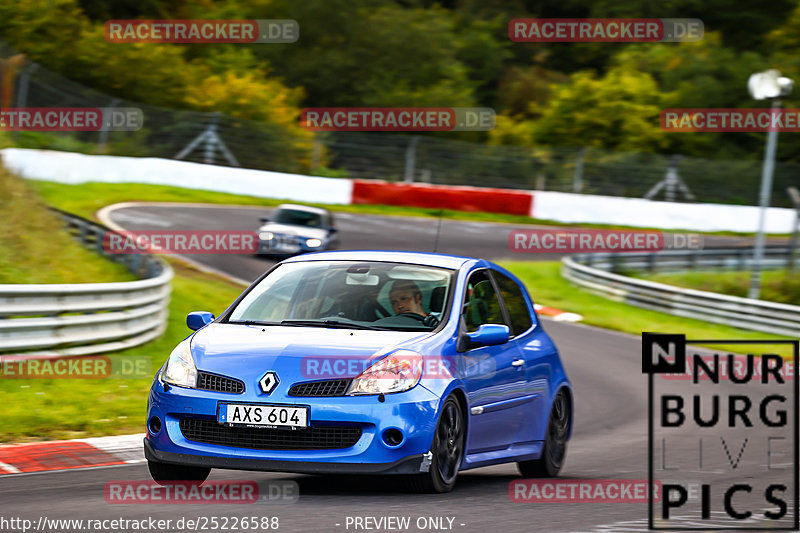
{"type": "Point", "coordinates": [296, 229]}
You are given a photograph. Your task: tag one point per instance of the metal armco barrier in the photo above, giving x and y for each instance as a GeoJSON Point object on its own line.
{"type": "Point", "coordinates": [86, 318]}
{"type": "Point", "coordinates": [744, 313]}
{"type": "Point", "coordinates": [676, 260]}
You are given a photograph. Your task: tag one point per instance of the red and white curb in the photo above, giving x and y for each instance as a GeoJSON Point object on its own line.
{"type": "Point", "coordinates": [557, 314]}
{"type": "Point", "coordinates": [71, 454]}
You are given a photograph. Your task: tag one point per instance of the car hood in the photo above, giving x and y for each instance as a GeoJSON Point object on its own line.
{"type": "Point", "coordinates": [246, 351]}
{"type": "Point", "coordinates": [303, 231]}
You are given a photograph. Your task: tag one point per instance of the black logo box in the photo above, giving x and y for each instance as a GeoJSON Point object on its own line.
{"type": "Point", "coordinates": [677, 365]}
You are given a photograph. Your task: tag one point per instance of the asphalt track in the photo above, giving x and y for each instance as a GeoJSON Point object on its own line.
{"type": "Point", "coordinates": [609, 440]}
{"type": "Point", "coordinates": [358, 232]}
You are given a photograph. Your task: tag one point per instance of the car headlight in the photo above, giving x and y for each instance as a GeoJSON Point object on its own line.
{"type": "Point", "coordinates": [266, 235]}
{"type": "Point", "coordinates": [397, 372]}
{"type": "Point", "coordinates": [313, 243]}
{"type": "Point", "coordinates": [180, 368]}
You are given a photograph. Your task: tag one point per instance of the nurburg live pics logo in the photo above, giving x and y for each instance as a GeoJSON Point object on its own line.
{"type": "Point", "coordinates": [733, 434]}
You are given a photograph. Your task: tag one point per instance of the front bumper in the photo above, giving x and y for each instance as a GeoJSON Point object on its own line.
{"type": "Point", "coordinates": [414, 413]}
{"type": "Point", "coordinates": [288, 245]}
{"type": "Point", "coordinates": [410, 465]}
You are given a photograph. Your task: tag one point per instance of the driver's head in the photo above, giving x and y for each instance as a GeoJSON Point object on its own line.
{"type": "Point", "coordinates": [406, 297]}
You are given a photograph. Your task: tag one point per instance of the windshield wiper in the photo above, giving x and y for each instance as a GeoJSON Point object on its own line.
{"type": "Point", "coordinates": [330, 324]}
{"type": "Point", "coordinates": [252, 323]}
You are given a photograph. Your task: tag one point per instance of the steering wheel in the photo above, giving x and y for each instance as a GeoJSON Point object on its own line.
{"type": "Point", "coordinates": [415, 316]}
{"type": "Point", "coordinates": [430, 320]}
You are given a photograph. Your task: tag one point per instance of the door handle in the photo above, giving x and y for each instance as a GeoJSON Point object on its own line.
{"type": "Point", "coordinates": [518, 362]}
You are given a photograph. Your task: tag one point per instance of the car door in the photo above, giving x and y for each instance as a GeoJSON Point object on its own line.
{"type": "Point", "coordinates": [494, 375]}
{"type": "Point", "coordinates": [537, 350]}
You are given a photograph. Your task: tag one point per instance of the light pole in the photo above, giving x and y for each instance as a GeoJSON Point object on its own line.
{"type": "Point", "coordinates": [769, 85]}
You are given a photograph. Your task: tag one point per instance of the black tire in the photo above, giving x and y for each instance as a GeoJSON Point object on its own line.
{"type": "Point", "coordinates": [166, 474]}
{"type": "Point", "coordinates": [447, 450]}
{"type": "Point", "coordinates": [555, 442]}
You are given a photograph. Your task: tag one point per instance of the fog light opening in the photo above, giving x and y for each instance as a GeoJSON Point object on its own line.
{"type": "Point", "coordinates": [393, 437]}
{"type": "Point", "coordinates": [154, 424]}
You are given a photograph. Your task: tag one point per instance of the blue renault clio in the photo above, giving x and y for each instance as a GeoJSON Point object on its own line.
{"type": "Point", "coordinates": [364, 362]}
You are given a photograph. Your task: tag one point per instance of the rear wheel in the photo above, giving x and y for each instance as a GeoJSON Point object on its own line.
{"type": "Point", "coordinates": [447, 451]}
{"type": "Point", "coordinates": [555, 442]}
{"type": "Point", "coordinates": [165, 473]}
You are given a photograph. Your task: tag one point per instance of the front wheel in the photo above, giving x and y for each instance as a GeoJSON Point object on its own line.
{"type": "Point", "coordinates": [555, 442]}
{"type": "Point", "coordinates": [166, 474]}
{"type": "Point", "coordinates": [447, 451]}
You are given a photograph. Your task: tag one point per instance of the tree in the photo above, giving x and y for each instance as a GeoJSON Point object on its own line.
{"type": "Point", "coordinates": [618, 111]}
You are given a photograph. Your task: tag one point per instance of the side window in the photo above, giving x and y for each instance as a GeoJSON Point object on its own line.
{"type": "Point", "coordinates": [481, 305]}
{"type": "Point", "coordinates": [515, 303]}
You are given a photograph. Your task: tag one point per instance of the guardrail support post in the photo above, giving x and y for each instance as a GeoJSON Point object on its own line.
{"type": "Point", "coordinates": [411, 159]}
{"type": "Point", "coordinates": [102, 140]}
{"type": "Point", "coordinates": [671, 183]}
{"type": "Point", "coordinates": [98, 240]}
{"type": "Point", "coordinates": [615, 263]}
{"type": "Point", "coordinates": [795, 195]}
{"type": "Point", "coordinates": [316, 153]}
{"type": "Point", "coordinates": [577, 178]}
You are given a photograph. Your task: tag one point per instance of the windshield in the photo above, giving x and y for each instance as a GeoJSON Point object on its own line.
{"type": "Point", "coordinates": [296, 217]}
{"type": "Point", "coordinates": [347, 294]}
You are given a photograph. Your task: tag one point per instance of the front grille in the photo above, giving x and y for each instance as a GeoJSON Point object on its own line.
{"type": "Point", "coordinates": [312, 438]}
{"type": "Point", "coordinates": [216, 383]}
{"type": "Point", "coordinates": [333, 387]}
{"type": "Point", "coordinates": [287, 239]}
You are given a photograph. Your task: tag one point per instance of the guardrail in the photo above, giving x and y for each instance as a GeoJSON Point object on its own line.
{"type": "Point", "coordinates": [744, 313]}
{"type": "Point", "coordinates": [87, 318]}
{"type": "Point", "coordinates": [671, 260]}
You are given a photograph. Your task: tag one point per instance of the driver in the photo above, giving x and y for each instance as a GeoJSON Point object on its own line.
{"type": "Point", "coordinates": [406, 297]}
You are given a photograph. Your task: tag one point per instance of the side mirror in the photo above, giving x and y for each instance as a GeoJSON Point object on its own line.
{"type": "Point", "coordinates": [264, 220]}
{"type": "Point", "coordinates": [489, 335]}
{"type": "Point", "coordinates": [197, 319]}
{"type": "Point", "coordinates": [332, 230]}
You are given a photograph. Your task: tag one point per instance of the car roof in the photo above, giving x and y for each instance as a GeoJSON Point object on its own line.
{"type": "Point", "coordinates": [306, 208]}
{"type": "Point", "coordinates": [389, 256]}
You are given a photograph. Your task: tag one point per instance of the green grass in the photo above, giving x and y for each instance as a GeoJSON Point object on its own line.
{"type": "Point", "coordinates": [547, 287]}
{"type": "Point", "coordinates": [35, 247]}
{"type": "Point", "coordinates": [39, 409]}
{"type": "Point", "coordinates": [86, 199]}
{"type": "Point", "coordinates": [776, 285]}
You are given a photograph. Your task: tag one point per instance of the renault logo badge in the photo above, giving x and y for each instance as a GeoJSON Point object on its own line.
{"type": "Point", "coordinates": [269, 382]}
